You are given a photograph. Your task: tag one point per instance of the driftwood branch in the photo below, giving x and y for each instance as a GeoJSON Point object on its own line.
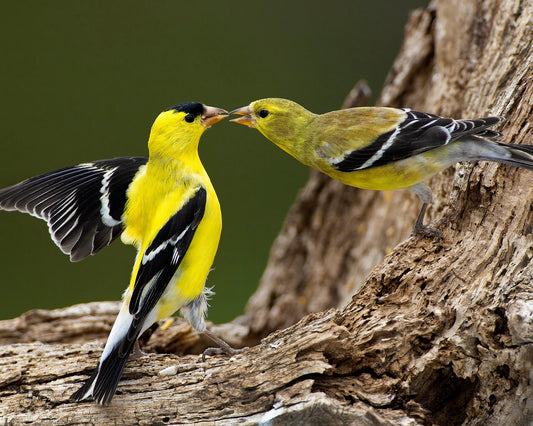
{"type": "Point", "coordinates": [360, 323]}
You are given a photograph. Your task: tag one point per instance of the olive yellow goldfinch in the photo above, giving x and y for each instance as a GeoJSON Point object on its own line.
{"type": "Point", "coordinates": [164, 205]}
{"type": "Point", "coordinates": [380, 148]}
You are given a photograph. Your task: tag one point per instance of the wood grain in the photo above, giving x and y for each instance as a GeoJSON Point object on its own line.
{"type": "Point", "coordinates": [354, 322]}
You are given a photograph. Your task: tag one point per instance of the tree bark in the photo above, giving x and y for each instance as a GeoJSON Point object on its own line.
{"type": "Point", "coordinates": [360, 323]}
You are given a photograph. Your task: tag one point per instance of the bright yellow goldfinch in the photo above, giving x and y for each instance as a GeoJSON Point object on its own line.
{"type": "Point", "coordinates": [380, 148]}
{"type": "Point", "coordinates": [164, 205]}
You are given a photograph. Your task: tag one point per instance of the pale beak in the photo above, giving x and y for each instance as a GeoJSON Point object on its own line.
{"type": "Point", "coordinates": [212, 116]}
{"type": "Point", "coordinates": [247, 118]}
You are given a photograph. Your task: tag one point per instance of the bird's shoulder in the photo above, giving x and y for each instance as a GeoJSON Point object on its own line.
{"type": "Point", "coordinates": [340, 132]}
{"type": "Point", "coordinates": [154, 198]}
{"type": "Point", "coordinates": [362, 116]}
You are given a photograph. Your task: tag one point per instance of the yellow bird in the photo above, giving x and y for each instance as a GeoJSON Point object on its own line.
{"type": "Point", "coordinates": [164, 205]}
{"type": "Point", "coordinates": [380, 148]}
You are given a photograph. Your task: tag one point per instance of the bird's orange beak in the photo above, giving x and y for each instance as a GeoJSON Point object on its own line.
{"type": "Point", "coordinates": [212, 116]}
{"type": "Point", "coordinates": [247, 118]}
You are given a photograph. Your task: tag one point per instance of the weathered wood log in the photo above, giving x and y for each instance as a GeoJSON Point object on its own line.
{"type": "Point", "coordinates": [406, 330]}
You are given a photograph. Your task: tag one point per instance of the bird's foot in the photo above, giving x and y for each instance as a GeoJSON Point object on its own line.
{"type": "Point", "coordinates": [137, 352]}
{"type": "Point", "coordinates": [223, 349]}
{"type": "Point", "coordinates": [426, 231]}
{"type": "Point", "coordinates": [420, 228]}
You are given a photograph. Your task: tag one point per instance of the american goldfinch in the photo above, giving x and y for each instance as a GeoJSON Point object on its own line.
{"type": "Point", "coordinates": [380, 148]}
{"type": "Point", "coordinates": [164, 205]}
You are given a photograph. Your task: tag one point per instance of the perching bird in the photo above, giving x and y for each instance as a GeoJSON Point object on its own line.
{"type": "Point", "coordinates": [164, 205]}
{"type": "Point", "coordinates": [380, 148]}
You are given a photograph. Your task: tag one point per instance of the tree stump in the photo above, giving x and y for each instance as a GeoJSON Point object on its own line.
{"type": "Point", "coordinates": [354, 322]}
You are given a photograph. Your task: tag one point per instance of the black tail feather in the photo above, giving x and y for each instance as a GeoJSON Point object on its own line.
{"type": "Point", "coordinates": [82, 392]}
{"type": "Point", "coordinates": [105, 377]}
{"type": "Point", "coordinates": [521, 155]}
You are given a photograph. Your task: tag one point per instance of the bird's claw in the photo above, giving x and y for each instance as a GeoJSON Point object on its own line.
{"type": "Point", "coordinates": [420, 228]}
{"type": "Point", "coordinates": [426, 231]}
{"type": "Point", "coordinates": [223, 349]}
{"type": "Point", "coordinates": [137, 352]}
{"type": "Point", "coordinates": [229, 351]}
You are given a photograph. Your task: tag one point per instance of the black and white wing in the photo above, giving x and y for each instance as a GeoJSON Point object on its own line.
{"type": "Point", "coordinates": [164, 255]}
{"type": "Point", "coordinates": [417, 133]}
{"type": "Point", "coordinates": [83, 204]}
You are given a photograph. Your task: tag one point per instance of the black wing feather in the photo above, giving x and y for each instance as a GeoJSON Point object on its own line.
{"type": "Point", "coordinates": [82, 204]}
{"type": "Point", "coordinates": [418, 133]}
{"type": "Point", "coordinates": [164, 255]}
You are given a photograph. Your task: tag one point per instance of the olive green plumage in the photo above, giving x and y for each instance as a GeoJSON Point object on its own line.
{"type": "Point", "coordinates": [380, 148]}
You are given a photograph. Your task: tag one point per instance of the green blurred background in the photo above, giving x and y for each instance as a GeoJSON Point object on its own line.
{"type": "Point", "coordinates": [83, 81]}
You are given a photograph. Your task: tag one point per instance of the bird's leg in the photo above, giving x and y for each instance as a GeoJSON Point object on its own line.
{"type": "Point", "coordinates": [194, 313]}
{"type": "Point", "coordinates": [137, 352]}
{"type": "Point", "coordinates": [223, 349]}
{"type": "Point", "coordinates": [420, 228]}
{"type": "Point", "coordinates": [424, 193]}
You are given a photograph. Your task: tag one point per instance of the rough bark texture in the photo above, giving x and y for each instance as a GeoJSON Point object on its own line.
{"type": "Point", "coordinates": [436, 333]}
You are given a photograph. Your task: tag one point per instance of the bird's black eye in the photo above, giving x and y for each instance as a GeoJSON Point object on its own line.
{"type": "Point", "coordinates": [189, 118]}
{"type": "Point", "coordinates": [263, 113]}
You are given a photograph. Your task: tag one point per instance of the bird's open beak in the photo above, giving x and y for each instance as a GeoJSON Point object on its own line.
{"type": "Point", "coordinates": [247, 118]}
{"type": "Point", "coordinates": [212, 116]}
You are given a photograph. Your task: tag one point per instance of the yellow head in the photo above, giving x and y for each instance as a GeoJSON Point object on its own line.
{"type": "Point", "coordinates": [178, 130]}
{"type": "Point", "coordinates": [283, 122]}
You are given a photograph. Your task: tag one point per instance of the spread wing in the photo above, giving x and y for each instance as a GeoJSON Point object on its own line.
{"type": "Point", "coordinates": [417, 133]}
{"type": "Point", "coordinates": [83, 204]}
{"type": "Point", "coordinates": [162, 258]}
